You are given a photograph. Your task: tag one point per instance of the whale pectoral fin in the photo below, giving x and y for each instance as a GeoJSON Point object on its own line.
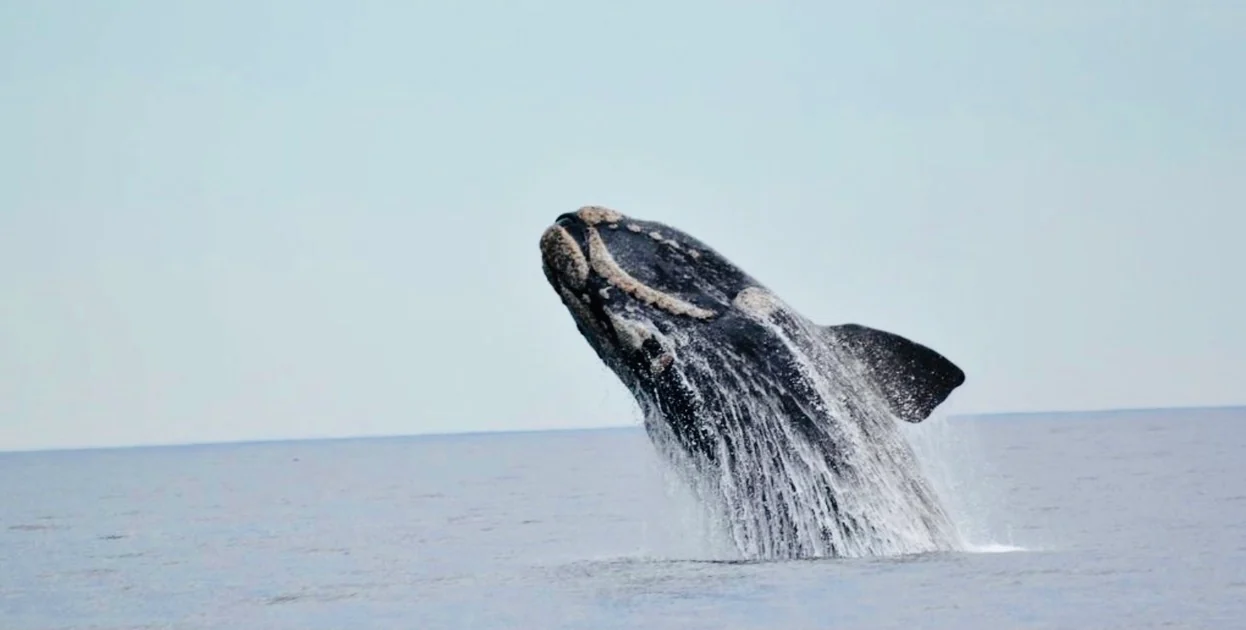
{"type": "Point", "coordinates": [913, 378]}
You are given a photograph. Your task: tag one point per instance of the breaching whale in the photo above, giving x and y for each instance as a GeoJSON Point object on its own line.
{"type": "Point", "coordinates": [787, 430]}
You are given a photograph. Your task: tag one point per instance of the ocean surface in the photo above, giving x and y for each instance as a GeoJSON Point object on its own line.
{"type": "Point", "coordinates": [1103, 520]}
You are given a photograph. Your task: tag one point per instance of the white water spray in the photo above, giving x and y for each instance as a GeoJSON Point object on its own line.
{"type": "Point", "coordinates": [842, 481]}
{"type": "Point", "coordinates": [951, 454]}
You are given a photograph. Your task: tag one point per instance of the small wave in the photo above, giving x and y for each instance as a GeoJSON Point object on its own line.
{"type": "Point", "coordinates": [994, 548]}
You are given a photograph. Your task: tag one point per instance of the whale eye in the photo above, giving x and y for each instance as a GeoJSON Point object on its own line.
{"type": "Point", "coordinates": [652, 347]}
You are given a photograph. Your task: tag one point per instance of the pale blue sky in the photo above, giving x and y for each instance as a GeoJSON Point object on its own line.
{"type": "Point", "coordinates": [249, 220]}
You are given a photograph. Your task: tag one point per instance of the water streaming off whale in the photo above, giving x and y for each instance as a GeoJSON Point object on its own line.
{"type": "Point", "coordinates": [771, 490]}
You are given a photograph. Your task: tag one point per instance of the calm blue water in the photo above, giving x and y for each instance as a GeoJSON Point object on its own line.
{"type": "Point", "coordinates": [1120, 520]}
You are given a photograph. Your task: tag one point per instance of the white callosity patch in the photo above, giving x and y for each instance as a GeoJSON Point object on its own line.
{"type": "Point", "coordinates": [604, 264]}
{"type": "Point", "coordinates": [841, 482]}
{"type": "Point", "coordinates": [659, 364]}
{"type": "Point", "coordinates": [562, 254]}
{"type": "Point", "coordinates": [593, 215]}
{"type": "Point", "coordinates": [669, 242]}
{"type": "Point", "coordinates": [757, 303]}
{"type": "Point", "coordinates": [631, 333]}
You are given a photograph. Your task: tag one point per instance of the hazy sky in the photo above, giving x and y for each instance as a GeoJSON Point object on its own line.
{"type": "Point", "coordinates": [245, 220]}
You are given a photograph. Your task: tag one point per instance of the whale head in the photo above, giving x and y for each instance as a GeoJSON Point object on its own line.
{"type": "Point", "coordinates": [637, 288]}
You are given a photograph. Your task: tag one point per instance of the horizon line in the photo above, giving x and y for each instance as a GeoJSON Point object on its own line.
{"type": "Point", "coordinates": [611, 427]}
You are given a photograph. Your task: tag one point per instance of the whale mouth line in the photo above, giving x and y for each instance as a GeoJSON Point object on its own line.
{"type": "Point", "coordinates": [566, 264]}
